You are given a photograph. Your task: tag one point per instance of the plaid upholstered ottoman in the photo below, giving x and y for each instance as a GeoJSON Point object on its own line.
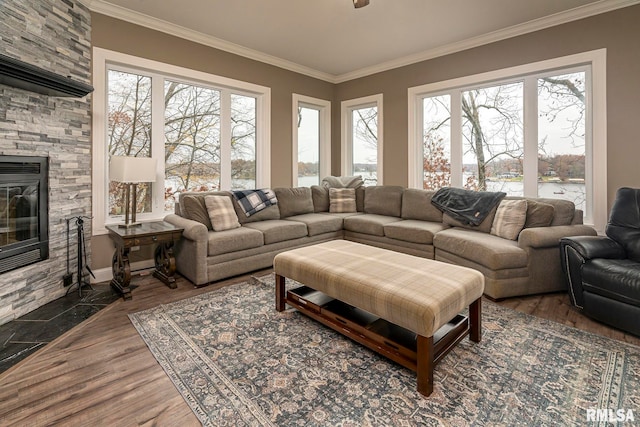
{"type": "Point", "coordinates": [404, 307]}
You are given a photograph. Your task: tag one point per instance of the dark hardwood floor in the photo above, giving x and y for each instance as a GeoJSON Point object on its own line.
{"type": "Point", "coordinates": [101, 372]}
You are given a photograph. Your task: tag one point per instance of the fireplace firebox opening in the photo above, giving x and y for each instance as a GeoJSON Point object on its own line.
{"type": "Point", "coordinates": [24, 211]}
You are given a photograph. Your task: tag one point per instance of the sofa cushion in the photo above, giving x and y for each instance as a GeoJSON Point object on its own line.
{"type": "Point", "coordinates": [510, 218]}
{"type": "Point", "coordinates": [414, 231]}
{"type": "Point", "coordinates": [294, 201]}
{"type": "Point", "coordinates": [194, 208]}
{"type": "Point", "coordinates": [563, 210]}
{"type": "Point", "coordinates": [360, 198]}
{"type": "Point", "coordinates": [342, 200]}
{"type": "Point", "coordinates": [486, 249]}
{"type": "Point", "coordinates": [539, 214]}
{"type": "Point", "coordinates": [221, 213]}
{"type": "Point", "coordinates": [318, 223]}
{"type": "Point", "coordinates": [320, 197]}
{"type": "Point", "coordinates": [237, 239]}
{"type": "Point", "coordinates": [368, 223]}
{"type": "Point", "coordinates": [416, 204]}
{"type": "Point", "coordinates": [279, 230]}
{"type": "Point", "coordinates": [383, 200]}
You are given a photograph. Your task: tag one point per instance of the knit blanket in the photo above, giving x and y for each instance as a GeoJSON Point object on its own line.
{"type": "Point", "coordinates": [253, 201]}
{"type": "Point", "coordinates": [470, 207]}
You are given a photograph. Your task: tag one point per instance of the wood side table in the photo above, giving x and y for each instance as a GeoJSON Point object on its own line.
{"type": "Point", "coordinates": [161, 233]}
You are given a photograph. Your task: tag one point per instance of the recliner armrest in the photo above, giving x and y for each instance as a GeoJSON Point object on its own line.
{"type": "Point", "coordinates": [590, 247]}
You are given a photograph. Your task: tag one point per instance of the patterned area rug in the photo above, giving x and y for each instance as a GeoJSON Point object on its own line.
{"type": "Point", "coordinates": [238, 362]}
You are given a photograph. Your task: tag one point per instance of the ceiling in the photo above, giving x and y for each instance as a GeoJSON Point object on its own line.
{"type": "Point", "coordinates": [333, 41]}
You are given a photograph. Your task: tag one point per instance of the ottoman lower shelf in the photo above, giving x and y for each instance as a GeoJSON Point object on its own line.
{"type": "Point", "coordinates": [379, 335]}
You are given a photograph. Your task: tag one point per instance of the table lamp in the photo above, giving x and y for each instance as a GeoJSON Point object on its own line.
{"type": "Point", "coordinates": [131, 171]}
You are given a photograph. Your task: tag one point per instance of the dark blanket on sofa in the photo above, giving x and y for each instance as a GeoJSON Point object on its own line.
{"type": "Point", "coordinates": [470, 207]}
{"type": "Point", "coordinates": [253, 201]}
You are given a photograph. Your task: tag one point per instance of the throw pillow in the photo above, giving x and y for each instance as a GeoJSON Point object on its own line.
{"type": "Point", "coordinates": [195, 209]}
{"type": "Point", "coordinates": [342, 200]}
{"type": "Point", "coordinates": [320, 197]}
{"type": "Point", "coordinates": [509, 219]}
{"type": "Point", "coordinates": [294, 201]}
{"type": "Point", "coordinates": [221, 213]}
{"type": "Point", "coordinates": [539, 214]}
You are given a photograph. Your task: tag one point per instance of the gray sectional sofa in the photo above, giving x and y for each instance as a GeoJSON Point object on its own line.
{"type": "Point", "coordinates": [389, 217]}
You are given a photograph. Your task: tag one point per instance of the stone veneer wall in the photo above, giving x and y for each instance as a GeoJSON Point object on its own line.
{"type": "Point", "coordinates": [54, 35]}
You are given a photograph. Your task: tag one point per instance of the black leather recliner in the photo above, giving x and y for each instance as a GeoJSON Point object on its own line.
{"type": "Point", "coordinates": [603, 272]}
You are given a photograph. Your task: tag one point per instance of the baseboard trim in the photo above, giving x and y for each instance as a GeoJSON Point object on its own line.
{"type": "Point", "coordinates": [137, 268]}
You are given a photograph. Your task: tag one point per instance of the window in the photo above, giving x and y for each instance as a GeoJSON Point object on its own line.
{"type": "Point", "coordinates": [207, 132]}
{"type": "Point", "coordinates": [536, 130]}
{"type": "Point", "coordinates": [311, 140]}
{"type": "Point", "coordinates": [362, 139]}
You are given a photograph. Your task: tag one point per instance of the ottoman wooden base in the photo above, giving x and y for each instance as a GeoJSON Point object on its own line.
{"type": "Point", "coordinates": [410, 350]}
{"type": "Point", "coordinates": [404, 307]}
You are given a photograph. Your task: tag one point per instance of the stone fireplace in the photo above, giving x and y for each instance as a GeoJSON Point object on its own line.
{"type": "Point", "coordinates": [54, 35]}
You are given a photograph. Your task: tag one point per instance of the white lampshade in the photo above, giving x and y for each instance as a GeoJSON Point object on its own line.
{"type": "Point", "coordinates": [132, 169]}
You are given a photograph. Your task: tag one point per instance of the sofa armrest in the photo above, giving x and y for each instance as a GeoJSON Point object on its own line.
{"type": "Point", "coordinates": [191, 250]}
{"type": "Point", "coordinates": [590, 247]}
{"type": "Point", "coordinates": [193, 230]}
{"type": "Point", "coordinates": [546, 237]}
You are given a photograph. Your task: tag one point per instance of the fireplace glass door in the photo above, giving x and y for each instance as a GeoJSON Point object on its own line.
{"type": "Point", "coordinates": [24, 234]}
{"type": "Point", "coordinates": [18, 212]}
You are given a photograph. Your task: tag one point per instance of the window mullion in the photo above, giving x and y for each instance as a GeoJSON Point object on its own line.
{"type": "Point", "coordinates": [158, 141]}
{"type": "Point", "coordinates": [456, 139]}
{"type": "Point", "coordinates": [530, 134]}
{"type": "Point", "coordinates": [225, 140]}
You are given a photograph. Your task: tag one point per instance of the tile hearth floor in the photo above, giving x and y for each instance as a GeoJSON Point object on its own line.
{"type": "Point", "coordinates": [23, 336]}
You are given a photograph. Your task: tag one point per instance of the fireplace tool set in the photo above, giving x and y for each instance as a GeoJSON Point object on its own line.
{"type": "Point", "coordinates": [82, 257]}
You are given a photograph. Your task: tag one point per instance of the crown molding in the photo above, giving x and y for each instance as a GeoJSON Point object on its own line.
{"type": "Point", "coordinates": [503, 34]}
{"type": "Point", "coordinates": [596, 8]}
{"type": "Point", "coordinates": [124, 14]}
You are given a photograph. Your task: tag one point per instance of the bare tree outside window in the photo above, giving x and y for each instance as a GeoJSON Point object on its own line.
{"type": "Point", "coordinates": [561, 136]}
{"type": "Point", "coordinates": [192, 132]}
{"type": "Point", "coordinates": [365, 143]}
{"type": "Point", "coordinates": [436, 148]}
{"type": "Point", "coordinates": [129, 131]}
{"type": "Point", "coordinates": [192, 139]}
{"type": "Point", "coordinates": [492, 132]}
{"type": "Point", "coordinates": [243, 142]}
{"type": "Point", "coordinates": [493, 137]}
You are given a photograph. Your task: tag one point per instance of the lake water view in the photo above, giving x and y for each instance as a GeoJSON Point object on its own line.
{"type": "Point", "coordinates": [574, 192]}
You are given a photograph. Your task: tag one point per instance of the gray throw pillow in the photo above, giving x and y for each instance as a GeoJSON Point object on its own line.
{"type": "Point", "coordinates": [294, 201]}
{"type": "Point", "coordinates": [539, 214]}
{"type": "Point", "coordinates": [194, 209]}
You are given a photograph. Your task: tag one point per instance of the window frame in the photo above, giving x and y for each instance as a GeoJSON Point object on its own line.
{"type": "Point", "coordinates": [103, 61]}
{"type": "Point", "coordinates": [346, 142]}
{"type": "Point", "coordinates": [324, 108]}
{"type": "Point", "coordinates": [596, 132]}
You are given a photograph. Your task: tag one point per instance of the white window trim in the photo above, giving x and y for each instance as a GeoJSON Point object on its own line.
{"type": "Point", "coordinates": [346, 126]}
{"type": "Point", "coordinates": [102, 58]}
{"type": "Point", "coordinates": [324, 107]}
{"type": "Point", "coordinates": [597, 103]}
